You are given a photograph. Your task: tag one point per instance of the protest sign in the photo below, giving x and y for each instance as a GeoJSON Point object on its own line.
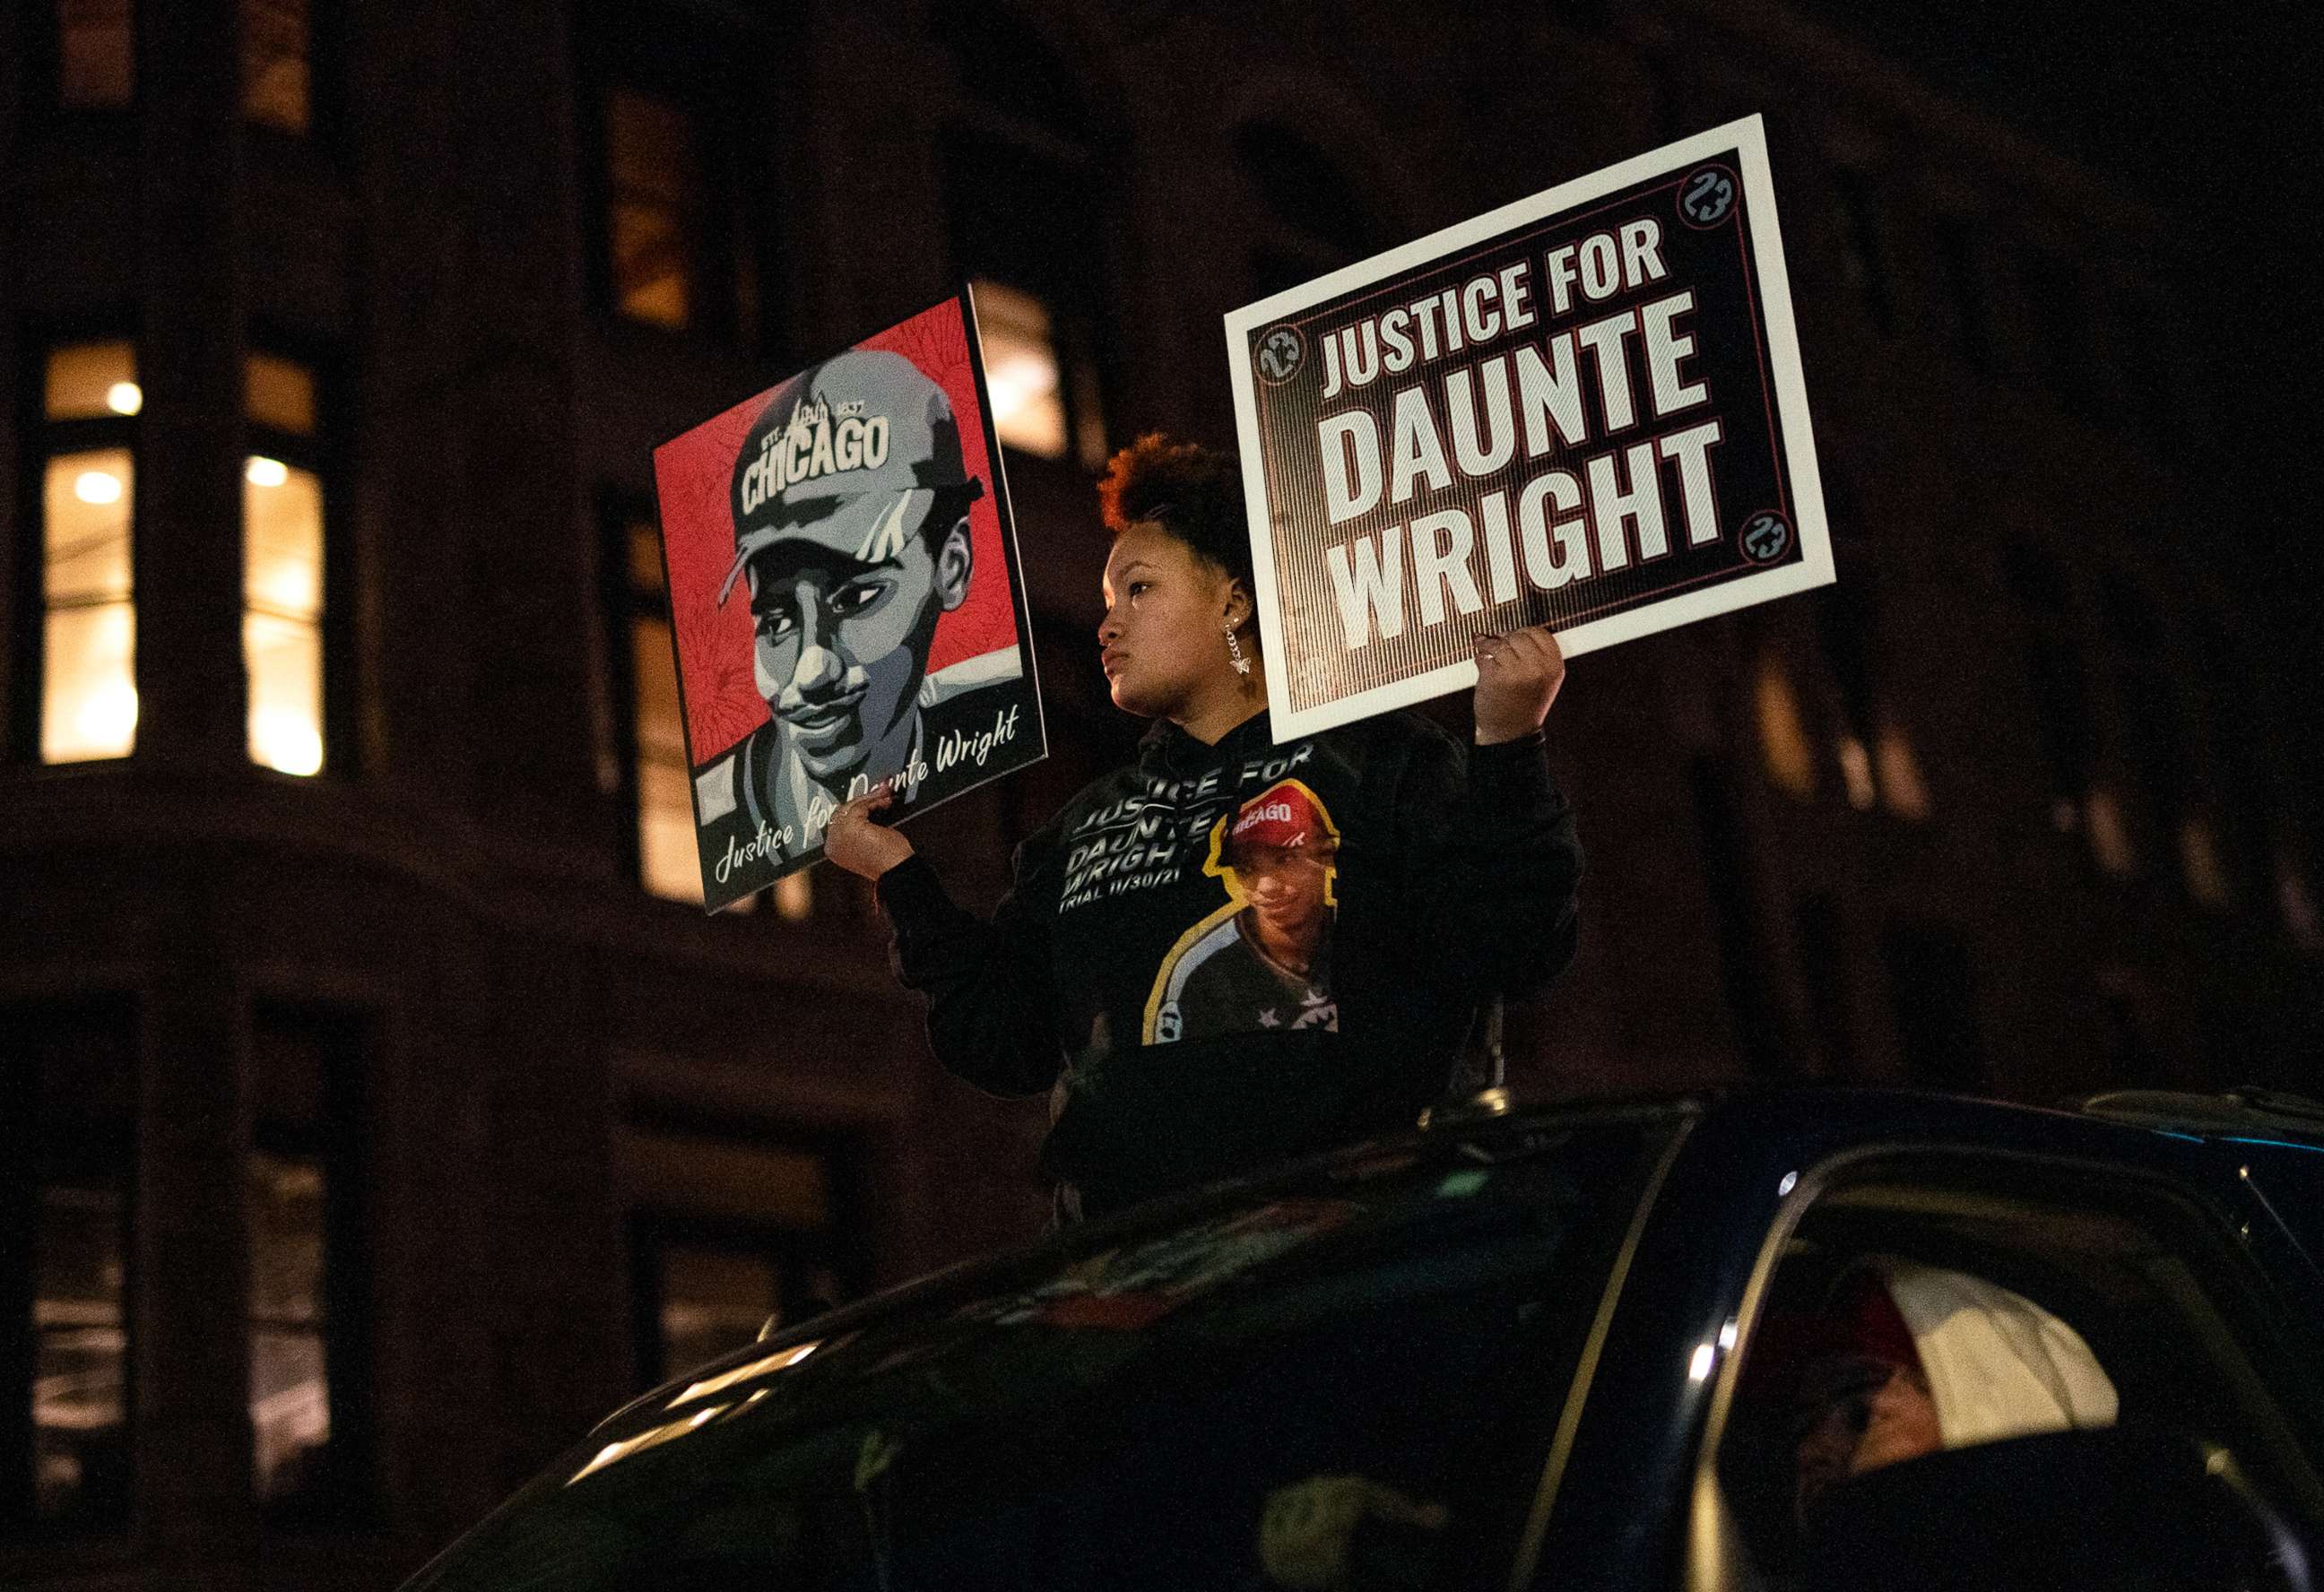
{"type": "Point", "coordinates": [1583, 410]}
{"type": "Point", "coordinates": [845, 600]}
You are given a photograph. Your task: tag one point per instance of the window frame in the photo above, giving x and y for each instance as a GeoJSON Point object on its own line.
{"type": "Point", "coordinates": [985, 158]}
{"type": "Point", "coordinates": [41, 440]}
{"type": "Point", "coordinates": [25, 1171]}
{"type": "Point", "coordinates": [42, 41]}
{"type": "Point", "coordinates": [737, 300]}
{"type": "Point", "coordinates": [2162, 1206]}
{"type": "Point", "coordinates": [652, 1229]}
{"type": "Point", "coordinates": [622, 605]}
{"type": "Point", "coordinates": [653, 1219]}
{"type": "Point", "coordinates": [322, 454]}
{"type": "Point", "coordinates": [325, 108]}
{"type": "Point", "coordinates": [619, 513]}
{"type": "Point", "coordinates": [335, 1143]}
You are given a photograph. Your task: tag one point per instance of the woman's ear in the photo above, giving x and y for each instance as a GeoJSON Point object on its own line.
{"type": "Point", "coordinates": [1239, 605]}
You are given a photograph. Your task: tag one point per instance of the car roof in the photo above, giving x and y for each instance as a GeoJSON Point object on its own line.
{"type": "Point", "coordinates": [1801, 1123]}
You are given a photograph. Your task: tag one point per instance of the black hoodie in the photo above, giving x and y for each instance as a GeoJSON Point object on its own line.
{"type": "Point", "coordinates": [1127, 971]}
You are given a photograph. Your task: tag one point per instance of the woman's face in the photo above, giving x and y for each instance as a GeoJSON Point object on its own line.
{"type": "Point", "coordinates": [1162, 638]}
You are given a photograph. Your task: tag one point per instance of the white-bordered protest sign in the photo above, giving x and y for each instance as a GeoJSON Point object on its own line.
{"type": "Point", "coordinates": [1583, 410]}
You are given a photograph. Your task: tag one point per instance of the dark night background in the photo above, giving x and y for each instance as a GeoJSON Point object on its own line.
{"type": "Point", "coordinates": [2197, 109]}
{"type": "Point", "coordinates": [376, 1110]}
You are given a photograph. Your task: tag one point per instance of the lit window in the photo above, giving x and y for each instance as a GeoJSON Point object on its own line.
{"type": "Point", "coordinates": [282, 574]}
{"type": "Point", "coordinates": [88, 678]}
{"type": "Point", "coordinates": [65, 1447]}
{"type": "Point", "coordinates": [290, 1387]}
{"type": "Point", "coordinates": [96, 53]}
{"type": "Point", "coordinates": [2199, 859]}
{"type": "Point", "coordinates": [725, 1233]}
{"type": "Point", "coordinates": [1026, 228]}
{"type": "Point", "coordinates": [1855, 773]}
{"type": "Point", "coordinates": [78, 1320]}
{"type": "Point", "coordinates": [1898, 772]}
{"type": "Point", "coordinates": [657, 203]}
{"type": "Point", "coordinates": [794, 895]}
{"type": "Point", "coordinates": [711, 1301]}
{"type": "Point", "coordinates": [1021, 370]}
{"type": "Point", "coordinates": [306, 1352]}
{"type": "Point", "coordinates": [2109, 837]}
{"type": "Point", "coordinates": [669, 861]}
{"type": "Point", "coordinates": [275, 74]}
{"type": "Point", "coordinates": [92, 381]}
{"type": "Point", "coordinates": [89, 692]}
{"type": "Point", "coordinates": [279, 394]}
{"type": "Point", "coordinates": [1783, 738]}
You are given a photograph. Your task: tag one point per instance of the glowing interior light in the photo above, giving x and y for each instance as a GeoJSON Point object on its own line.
{"type": "Point", "coordinates": [97, 486]}
{"type": "Point", "coordinates": [794, 896]}
{"type": "Point", "coordinates": [1790, 1180]}
{"type": "Point", "coordinates": [1784, 740]}
{"type": "Point", "coordinates": [108, 717]}
{"type": "Point", "coordinates": [1856, 772]}
{"type": "Point", "coordinates": [286, 741]}
{"type": "Point", "coordinates": [265, 472]}
{"type": "Point", "coordinates": [2109, 837]}
{"type": "Point", "coordinates": [1022, 372]}
{"type": "Point", "coordinates": [125, 398]}
{"type": "Point", "coordinates": [1704, 1354]}
{"type": "Point", "coordinates": [1019, 379]}
{"type": "Point", "coordinates": [1727, 1334]}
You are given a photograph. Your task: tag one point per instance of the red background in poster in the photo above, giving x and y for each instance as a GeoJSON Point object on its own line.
{"type": "Point", "coordinates": [693, 473]}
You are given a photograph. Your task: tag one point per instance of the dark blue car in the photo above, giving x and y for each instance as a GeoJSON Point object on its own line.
{"type": "Point", "coordinates": [1646, 1346]}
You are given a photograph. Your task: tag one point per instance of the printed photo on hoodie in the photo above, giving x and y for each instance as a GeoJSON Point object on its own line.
{"type": "Point", "coordinates": [1263, 959]}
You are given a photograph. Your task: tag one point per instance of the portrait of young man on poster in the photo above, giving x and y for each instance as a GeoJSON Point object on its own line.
{"type": "Point", "coordinates": [1263, 961]}
{"type": "Point", "coordinates": [849, 539]}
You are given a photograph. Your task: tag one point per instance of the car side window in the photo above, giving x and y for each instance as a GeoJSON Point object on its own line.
{"type": "Point", "coordinates": [2008, 1369]}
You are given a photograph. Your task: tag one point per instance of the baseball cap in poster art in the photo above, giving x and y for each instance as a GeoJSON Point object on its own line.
{"type": "Point", "coordinates": [846, 599]}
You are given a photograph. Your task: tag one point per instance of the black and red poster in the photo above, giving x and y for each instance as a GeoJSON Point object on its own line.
{"type": "Point", "coordinates": [846, 599]}
{"type": "Point", "coordinates": [1583, 410]}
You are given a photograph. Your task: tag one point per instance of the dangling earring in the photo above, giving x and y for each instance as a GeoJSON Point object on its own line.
{"type": "Point", "coordinates": [1234, 650]}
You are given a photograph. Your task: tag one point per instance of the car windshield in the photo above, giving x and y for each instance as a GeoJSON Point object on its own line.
{"type": "Point", "coordinates": [1386, 1341]}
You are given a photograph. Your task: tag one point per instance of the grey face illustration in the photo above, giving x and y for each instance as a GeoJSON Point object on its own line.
{"type": "Point", "coordinates": [842, 641]}
{"type": "Point", "coordinates": [851, 527]}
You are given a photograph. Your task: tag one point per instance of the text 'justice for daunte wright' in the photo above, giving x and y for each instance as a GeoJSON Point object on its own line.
{"type": "Point", "coordinates": [1566, 389]}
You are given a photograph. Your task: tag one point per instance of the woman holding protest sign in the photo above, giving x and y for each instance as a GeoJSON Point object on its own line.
{"type": "Point", "coordinates": [1229, 950]}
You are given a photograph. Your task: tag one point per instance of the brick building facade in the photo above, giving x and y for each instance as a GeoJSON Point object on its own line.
{"type": "Point", "coordinates": [368, 1126]}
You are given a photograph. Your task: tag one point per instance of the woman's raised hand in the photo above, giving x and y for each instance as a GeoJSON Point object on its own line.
{"type": "Point", "coordinates": [858, 844]}
{"type": "Point", "coordinates": [1517, 677]}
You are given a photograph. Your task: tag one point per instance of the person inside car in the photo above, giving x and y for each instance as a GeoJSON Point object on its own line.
{"type": "Point", "coordinates": [1909, 1359]}
{"type": "Point", "coordinates": [1448, 874]}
